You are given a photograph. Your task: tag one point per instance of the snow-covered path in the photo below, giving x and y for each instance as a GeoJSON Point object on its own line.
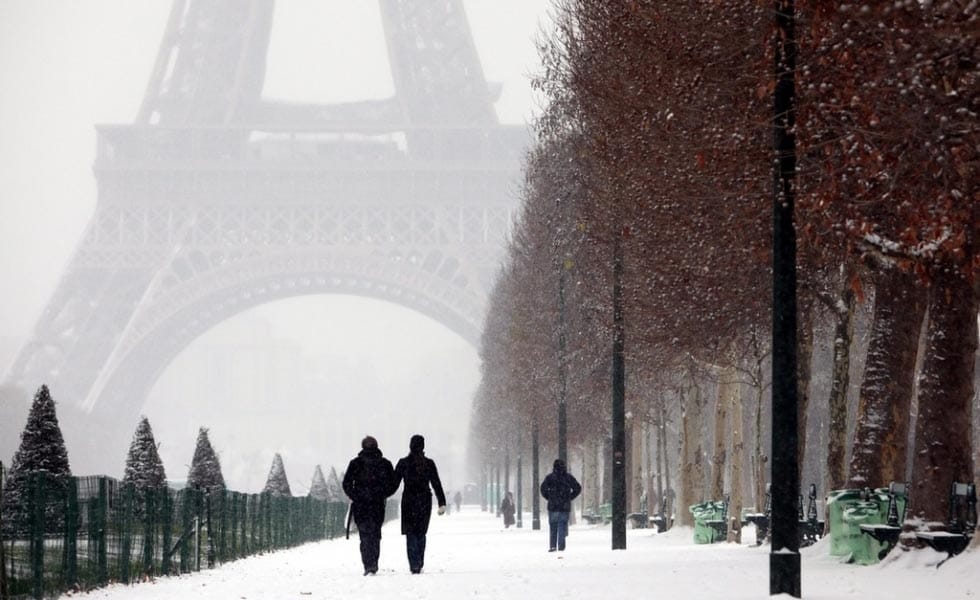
{"type": "Point", "coordinates": [471, 556]}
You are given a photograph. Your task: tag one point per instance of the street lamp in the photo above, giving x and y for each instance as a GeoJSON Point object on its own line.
{"type": "Point", "coordinates": [784, 557]}
{"type": "Point", "coordinates": [618, 400]}
{"type": "Point", "coordinates": [535, 476]}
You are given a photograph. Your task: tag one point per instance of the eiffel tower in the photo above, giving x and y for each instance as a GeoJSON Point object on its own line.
{"type": "Point", "coordinates": [216, 200]}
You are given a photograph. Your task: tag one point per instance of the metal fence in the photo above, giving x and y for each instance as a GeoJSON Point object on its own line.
{"type": "Point", "coordinates": [78, 533]}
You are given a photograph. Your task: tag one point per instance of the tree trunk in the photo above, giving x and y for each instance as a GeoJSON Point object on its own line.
{"type": "Point", "coordinates": [760, 474]}
{"type": "Point", "coordinates": [804, 354]}
{"type": "Point", "coordinates": [668, 497]}
{"type": "Point", "coordinates": [976, 426]}
{"type": "Point", "coordinates": [658, 505]}
{"type": "Point", "coordinates": [627, 464]}
{"type": "Point", "coordinates": [637, 433]}
{"type": "Point", "coordinates": [836, 476]}
{"type": "Point", "coordinates": [653, 471]}
{"type": "Point", "coordinates": [943, 450]}
{"type": "Point", "coordinates": [735, 499]}
{"type": "Point", "coordinates": [607, 470]}
{"type": "Point", "coordinates": [594, 490]}
{"type": "Point", "coordinates": [881, 436]}
{"type": "Point", "coordinates": [719, 456]}
{"type": "Point", "coordinates": [688, 441]}
{"type": "Point", "coordinates": [3, 565]}
{"type": "Point", "coordinates": [692, 465]}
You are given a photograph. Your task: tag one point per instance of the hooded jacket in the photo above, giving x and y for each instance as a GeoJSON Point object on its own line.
{"type": "Point", "coordinates": [419, 473]}
{"type": "Point", "coordinates": [559, 488]}
{"type": "Point", "coordinates": [368, 482]}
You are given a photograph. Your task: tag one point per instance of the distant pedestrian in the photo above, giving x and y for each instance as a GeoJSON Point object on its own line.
{"type": "Point", "coordinates": [458, 499]}
{"type": "Point", "coordinates": [368, 482]}
{"type": "Point", "coordinates": [507, 509]}
{"type": "Point", "coordinates": [559, 488]}
{"type": "Point", "coordinates": [418, 473]}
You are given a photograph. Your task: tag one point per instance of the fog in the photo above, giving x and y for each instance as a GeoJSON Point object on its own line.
{"type": "Point", "coordinates": [305, 376]}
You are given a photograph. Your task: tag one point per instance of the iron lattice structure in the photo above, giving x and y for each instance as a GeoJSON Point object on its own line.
{"type": "Point", "coordinates": [217, 200]}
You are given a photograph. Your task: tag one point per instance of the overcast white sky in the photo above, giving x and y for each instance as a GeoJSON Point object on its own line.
{"type": "Point", "coordinates": [66, 65]}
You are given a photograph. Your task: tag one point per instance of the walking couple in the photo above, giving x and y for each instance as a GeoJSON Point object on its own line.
{"type": "Point", "coordinates": [368, 482]}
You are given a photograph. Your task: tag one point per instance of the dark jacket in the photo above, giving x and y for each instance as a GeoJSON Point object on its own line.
{"type": "Point", "coordinates": [507, 510]}
{"type": "Point", "coordinates": [559, 488]}
{"type": "Point", "coordinates": [368, 482]}
{"type": "Point", "coordinates": [418, 473]}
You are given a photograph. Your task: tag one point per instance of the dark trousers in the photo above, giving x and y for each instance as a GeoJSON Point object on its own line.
{"type": "Point", "coordinates": [557, 529]}
{"type": "Point", "coordinates": [415, 544]}
{"type": "Point", "coordinates": [370, 533]}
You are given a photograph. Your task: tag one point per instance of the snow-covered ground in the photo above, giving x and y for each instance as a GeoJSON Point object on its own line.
{"type": "Point", "coordinates": [471, 556]}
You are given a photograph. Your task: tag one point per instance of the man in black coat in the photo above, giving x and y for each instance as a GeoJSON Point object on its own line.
{"type": "Point", "coordinates": [419, 473]}
{"type": "Point", "coordinates": [368, 482]}
{"type": "Point", "coordinates": [559, 488]}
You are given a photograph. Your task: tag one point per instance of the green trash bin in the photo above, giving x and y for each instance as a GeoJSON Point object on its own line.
{"type": "Point", "coordinates": [704, 512]}
{"type": "Point", "coordinates": [840, 534]}
{"type": "Point", "coordinates": [863, 548]}
{"type": "Point", "coordinates": [847, 511]}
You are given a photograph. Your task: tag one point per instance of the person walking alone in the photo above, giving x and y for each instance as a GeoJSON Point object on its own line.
{"type": "Point", "coordinates": [418, 473]}
{"type": "Point", "coordinates": [368, 482]}
{"type": "Point", "coordinates": [507, 509]}
{"type": "Point", "coordinates": [559, 488]}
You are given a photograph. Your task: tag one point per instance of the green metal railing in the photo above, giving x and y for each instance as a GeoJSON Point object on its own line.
{"type": "Point", "coordinates": [78, 533]}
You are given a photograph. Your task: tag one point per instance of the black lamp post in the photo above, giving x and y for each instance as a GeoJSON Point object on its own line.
{"type": "Point", "coordinates": [618, 402]}
{"type": "Point", "coordinates": [784, 557]}
{"type": "Point", "coordinates": [535, 478]}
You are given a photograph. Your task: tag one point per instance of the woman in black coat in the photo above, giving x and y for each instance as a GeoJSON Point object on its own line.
{"type": "Point", "coordinates": [418, 473]}
{"type": "Point", "coordinates": [507, 509]}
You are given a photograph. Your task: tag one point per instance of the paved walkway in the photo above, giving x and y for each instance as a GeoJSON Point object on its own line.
{"type": "Point", "coordinates": [471, 556]}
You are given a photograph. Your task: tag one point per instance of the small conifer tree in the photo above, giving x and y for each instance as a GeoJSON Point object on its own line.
{"type": "Point", "coordinates": [205, 472]}
{"type": "Point", "coordinates": [277, 484]}
{"type": "Point", "coordinates": [335, 489]}
{"type": "Point", "coordinates": [318, 488]}
{"type": "Point", "coordinates": [42, 450]}
{"type": "Point", "coordinates": [144, 469]}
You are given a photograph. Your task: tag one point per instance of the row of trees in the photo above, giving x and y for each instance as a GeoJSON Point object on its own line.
{"type": "Point", "coordinates": [654, 155]}
{"type": "Point", "coordinates": [42, 448]}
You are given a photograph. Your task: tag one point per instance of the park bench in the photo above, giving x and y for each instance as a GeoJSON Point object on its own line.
{"type": "Point", "coordinates": [887, 533]}
{"type": "Point", "coordinates": [659, 521]}
{"type": "Point", "coordinates": [603, 515]}
{"type": "Point", "coordinates": [640, 520]}
{"type": "Point", "coordinates": [761, 520]}
{"type": "Point", "coordinates": [811, 528]}
{"type": "Point", "coordinates": [960, 524]}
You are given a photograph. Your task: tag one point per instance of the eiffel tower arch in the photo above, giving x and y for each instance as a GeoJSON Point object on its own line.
{"type": "Point", "coordinates": [216, 200]}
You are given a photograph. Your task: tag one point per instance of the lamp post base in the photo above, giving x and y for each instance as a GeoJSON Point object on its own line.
{"type": "Point", "coordinates": [784, 573]}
